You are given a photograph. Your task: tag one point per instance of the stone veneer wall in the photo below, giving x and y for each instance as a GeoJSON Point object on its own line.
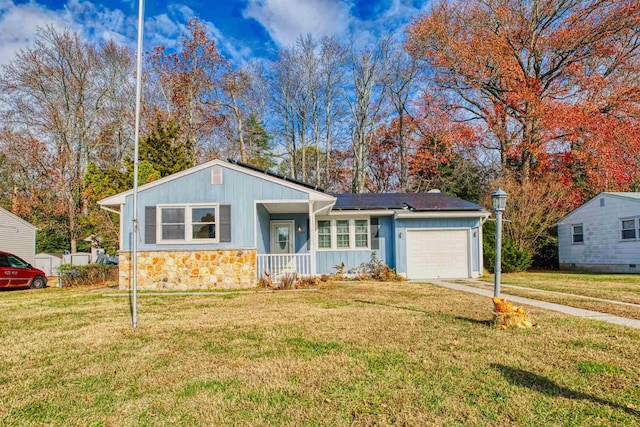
{"type": "Point", "coordinates": [198, 269]}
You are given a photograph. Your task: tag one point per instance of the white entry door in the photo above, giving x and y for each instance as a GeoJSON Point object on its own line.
{"type": "Point", "coordinates": [433, 254]}
{"type": "Point", "coordinates": [282, 237]}
{"type": "Point", "coordinates": [283, 248]}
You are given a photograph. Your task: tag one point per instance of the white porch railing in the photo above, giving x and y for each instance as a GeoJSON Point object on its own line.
{"type": "Point", "coordinates": [279, 264]}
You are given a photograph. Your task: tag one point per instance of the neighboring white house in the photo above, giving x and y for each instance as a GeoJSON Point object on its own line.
{"type": "Point", "coordinates": [17, 236]}
{"type": "Point", "coordinates": [602, 235]}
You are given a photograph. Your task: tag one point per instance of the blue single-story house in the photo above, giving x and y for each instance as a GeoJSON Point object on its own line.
{"type": "Point", "coordinates": [224, 224]}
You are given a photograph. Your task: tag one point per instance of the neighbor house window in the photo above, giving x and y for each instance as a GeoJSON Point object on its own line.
{"type": "Point", "coordinates": [629, 228]}
{"type": "Point", "coordinates": [577, 234]}
{"type": "Point", "coordinates": [324, 234]}
{"type": "Point", "coordinates": [343, 234]}
{"type": "Point", "coordinates": [188, 224]}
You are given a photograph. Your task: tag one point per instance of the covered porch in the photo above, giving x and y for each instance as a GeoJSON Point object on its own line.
{"type": "Point", "coordinates": [285, 237]}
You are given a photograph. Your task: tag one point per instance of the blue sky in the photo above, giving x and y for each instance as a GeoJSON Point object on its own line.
{"type": "Point", "coordinates": [244, 29]}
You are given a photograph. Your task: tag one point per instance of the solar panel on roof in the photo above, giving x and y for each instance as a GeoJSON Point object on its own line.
{"type": "Point", "coordinates": [412, 201]}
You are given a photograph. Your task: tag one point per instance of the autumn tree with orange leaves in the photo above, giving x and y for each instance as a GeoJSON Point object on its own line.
{"type": "Point", "coordinates": [60, 110]}
{"type": "Point", "coordinates": [553, 84]}
{"type": "Point", "coordinates": [182, 87]}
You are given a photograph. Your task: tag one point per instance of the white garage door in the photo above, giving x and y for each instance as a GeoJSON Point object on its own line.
{"type": "Point", "coordinates": [437, 254]}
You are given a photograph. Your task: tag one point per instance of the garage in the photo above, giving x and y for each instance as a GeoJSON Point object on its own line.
{"type": "Point", "coordinates": [440, 253]}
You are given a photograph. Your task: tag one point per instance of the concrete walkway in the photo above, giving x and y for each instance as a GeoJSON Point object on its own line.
{"type": "Point", "coordinates": [632, 323]}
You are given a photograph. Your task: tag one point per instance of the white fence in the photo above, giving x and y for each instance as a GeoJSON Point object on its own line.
{"type": "Point", "coordinates": [279, 264]}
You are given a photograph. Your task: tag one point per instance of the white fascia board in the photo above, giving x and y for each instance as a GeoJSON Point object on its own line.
{"type": "Point", "coordinates": [110, 209]}
{"type": "Point", "coordinates": [17, 218]}
{"type": "Point", "coordinates": [453, 214]}
{"type": "Point", "coordinates": [362, 212]}
{"type": "Point", "coordinates": [623, 195]}
{"type": "Point", "coordinates": [565, 219]}
{"type": "Point", "coordinates": [119, 199]}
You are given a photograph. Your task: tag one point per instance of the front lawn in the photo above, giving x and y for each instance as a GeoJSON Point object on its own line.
{"type": "Point", "coordinates": [356, 354]}
{"type": "Point", "coordinates": [616, 287]}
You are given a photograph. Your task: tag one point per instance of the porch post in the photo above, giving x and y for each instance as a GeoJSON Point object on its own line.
{"type": "Point", "coordinates": [312, 238]}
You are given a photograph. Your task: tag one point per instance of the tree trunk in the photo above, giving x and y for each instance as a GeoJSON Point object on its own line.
{"type": "Point", "coordinates": [403, 150]}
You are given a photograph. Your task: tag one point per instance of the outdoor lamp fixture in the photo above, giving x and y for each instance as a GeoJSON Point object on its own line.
{"type": "Point", "coordinates": [499, 202]}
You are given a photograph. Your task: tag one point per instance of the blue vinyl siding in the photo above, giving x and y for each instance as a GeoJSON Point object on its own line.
{"type": "Point", "coordinates": [387, 242]}
{"type": "Point", "coordinates": [238, 189]}
{"type": "Point", "coordinates": [401, 226]}
{"type": "Point", "coordinates": [263, 229]}
{"type": "Point", "coordinates": [326, 260]}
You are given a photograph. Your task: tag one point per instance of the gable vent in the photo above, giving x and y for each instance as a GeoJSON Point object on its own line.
{"type": "Point", "coordinates": [216, 176]}
{"type": "Point", "coordinates": [602, 202]}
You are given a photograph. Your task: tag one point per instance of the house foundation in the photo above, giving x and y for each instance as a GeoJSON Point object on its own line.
{"type": "Point", "coordinates": [601, 268]}
{"type": "Point", "coordinates": [190, 270]}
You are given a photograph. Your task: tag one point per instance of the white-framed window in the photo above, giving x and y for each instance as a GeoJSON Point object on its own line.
{"type": "Point", "coordinates": [324, 234]}
{"type": "Point", "coordinates": [629, 228]}
{"type": "Point", "coordinates": [361, 233]}
{"type": "Point", "coordinates": [343, 234]}
{"type": "Point", "coordinates": [577, 234]}
{"type": "Point", "coordinates": [188, 224]}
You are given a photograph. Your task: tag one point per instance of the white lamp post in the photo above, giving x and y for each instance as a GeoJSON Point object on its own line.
{"type": "Point", "coordinates": [134, 248]}
{"type": "Point", "coordinates": [499, 202]}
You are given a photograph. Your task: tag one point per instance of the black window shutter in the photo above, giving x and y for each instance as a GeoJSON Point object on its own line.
{"type": "Point", "coordinates": [308, 235]}
{"type": "Point", "coordinates": [374, 230]}
{"type": "Point", "coordinates": [150, 224]}
{"type": "Point", "coordinates": [225, 223]}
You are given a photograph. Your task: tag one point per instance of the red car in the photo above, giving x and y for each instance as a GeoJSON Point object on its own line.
{"type": "Point", "coordinates": [16, 272]}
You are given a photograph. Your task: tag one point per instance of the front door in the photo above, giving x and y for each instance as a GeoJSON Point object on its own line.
{"type": "Point", "coordinates": [283, 248]}
{"type": "Point", "coordinates": [282, 238]}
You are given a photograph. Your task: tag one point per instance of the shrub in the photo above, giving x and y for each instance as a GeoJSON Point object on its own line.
{"type": "Point", "coordinates": [376, 269]}
{"type": "Point", "coordinates": [547, 255]}
{"type": "Point", "coordinates": [290, 281]}
{"type": "Point", "coordinates": [340, 270]}
{"type": "Point", "coordinates": [287, 281]}
{"type": "Point", "coordinates": [265, 281]}
{"type": "Point", "coordinates": [513, 259]}
{"type": "Point", "coordinates": [85, 275]}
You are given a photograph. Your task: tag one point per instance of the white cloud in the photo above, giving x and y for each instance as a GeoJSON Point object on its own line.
{"type": "Point", "coordinates": [160, 30]}
{"type": "Point", "coordinates": [19, 23]}
{"type": "Point", "coordinates": [238, 52]}
{"type": "Point", "coordinates": [285, 20]}
{"type": "Point", "coordinates": [97, 23]}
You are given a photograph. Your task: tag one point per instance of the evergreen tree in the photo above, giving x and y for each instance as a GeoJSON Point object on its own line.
{"type": "Point", "coordinates": [164, 152]}
{"type": "Point", "coordinates": [258, 144]}
{"type": "Point", "coordinates": [513, 259]}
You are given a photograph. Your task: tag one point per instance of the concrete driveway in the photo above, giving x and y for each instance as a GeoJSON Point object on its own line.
{"type": "Point", "coordinates": [588, 314]}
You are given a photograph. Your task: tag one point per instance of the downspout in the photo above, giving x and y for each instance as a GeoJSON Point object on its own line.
{"type": "Point", "coordinates": [312, 238]}
{"type": "Point", "coordinates": [480, 246]}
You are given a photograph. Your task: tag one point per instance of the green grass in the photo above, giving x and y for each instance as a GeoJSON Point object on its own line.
{"type": "Point", "coordinates": [356, 354]}
{"type": "Point", "coordinates": [623, 288]}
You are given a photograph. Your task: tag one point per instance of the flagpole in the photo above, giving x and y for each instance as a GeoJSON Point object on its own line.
{"type": "Point", "coordinates": [134, 257]}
